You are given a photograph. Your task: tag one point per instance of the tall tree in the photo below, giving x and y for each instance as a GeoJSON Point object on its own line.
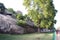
{"type": "Point", "coordinates": [42, 12]}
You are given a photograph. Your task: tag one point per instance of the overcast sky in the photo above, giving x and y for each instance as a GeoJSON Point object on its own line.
{"type": "Point", "coordinates": [18, 5]}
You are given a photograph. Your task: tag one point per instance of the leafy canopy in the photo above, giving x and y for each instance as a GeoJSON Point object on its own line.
{"type": "Point", "coordinates": [42, 12]}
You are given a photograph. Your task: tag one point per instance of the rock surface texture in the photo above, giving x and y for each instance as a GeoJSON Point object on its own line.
{"type": "Point", "coordinates": [8, 25]}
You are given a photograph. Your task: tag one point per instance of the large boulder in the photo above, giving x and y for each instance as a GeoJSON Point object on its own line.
{"type": "Point", "coordinates": [8, 24]}
{"type": "Point", "coordinates": [30, 30]}
{"type": "Point", "coordinates": [16, 29]}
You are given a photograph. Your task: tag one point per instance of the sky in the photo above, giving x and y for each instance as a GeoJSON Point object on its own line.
{"type": "Point", "coordinates": [18, 5]}
{"type": "Point", "coordinates": [57, 17]}
{"type": "Point", "coordinates": [15, 4]}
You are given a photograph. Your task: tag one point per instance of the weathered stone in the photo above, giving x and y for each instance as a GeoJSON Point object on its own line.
{"type": "Point", "coordinates": [16, 29]}
{"type": "Point", "coordinates": [30, 30]}
{"type": "Point", "coordinates": [8, 24]}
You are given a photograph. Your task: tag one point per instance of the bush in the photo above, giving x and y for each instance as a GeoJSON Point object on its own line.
{"type": "Point", "coordinates": [21, 23]}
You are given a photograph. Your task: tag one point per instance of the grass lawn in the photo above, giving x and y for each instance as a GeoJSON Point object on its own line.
{"type": "Point", "coordinates": [34, 36]}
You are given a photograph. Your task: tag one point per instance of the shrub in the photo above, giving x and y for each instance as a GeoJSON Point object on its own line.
{"type": "Point", "coordinates": [21, 23]}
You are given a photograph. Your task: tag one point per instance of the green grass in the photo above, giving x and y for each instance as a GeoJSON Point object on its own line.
{"type": "Point", "coordinates": [34, 36]}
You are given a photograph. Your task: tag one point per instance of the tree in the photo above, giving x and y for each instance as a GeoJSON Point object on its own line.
{"type": "Point", "coordinates": [21, 22]}
{"type": "Point", "coordinates": [19, 16]}
{"type": "Point", "coordinates": [21, 19]}
{"type": "Point", "coordinates": [42, 12]}
{"type": "Point", "coordinates": [2, 8]}
{"type": "Point", "coordinates": [11, 10]}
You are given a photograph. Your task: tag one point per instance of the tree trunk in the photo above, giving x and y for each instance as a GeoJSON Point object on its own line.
{"type": "Point", "coordinates": [38, 30]}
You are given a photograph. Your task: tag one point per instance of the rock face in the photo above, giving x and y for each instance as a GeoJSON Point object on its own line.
{"type": "Point", "coordinates": [16, 29]}
{"type": "Point", "coordinates": [8, 24]}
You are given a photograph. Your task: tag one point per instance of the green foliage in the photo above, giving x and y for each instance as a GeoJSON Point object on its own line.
{"type": "Point", "coordinates": [42, 12]}
{"type": "Point", "coordinates": [27, 3]}
{"type": "Point", "coordinates": [11, 10]}
{"type": "Point", "coordinates": [2, 8]}
{"type": "Point", "coordinates": [21, 23]}
{"type": "Point", "coordinates": [19, 16]}
{"type": "Point", "coordinates": [21, 20]}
